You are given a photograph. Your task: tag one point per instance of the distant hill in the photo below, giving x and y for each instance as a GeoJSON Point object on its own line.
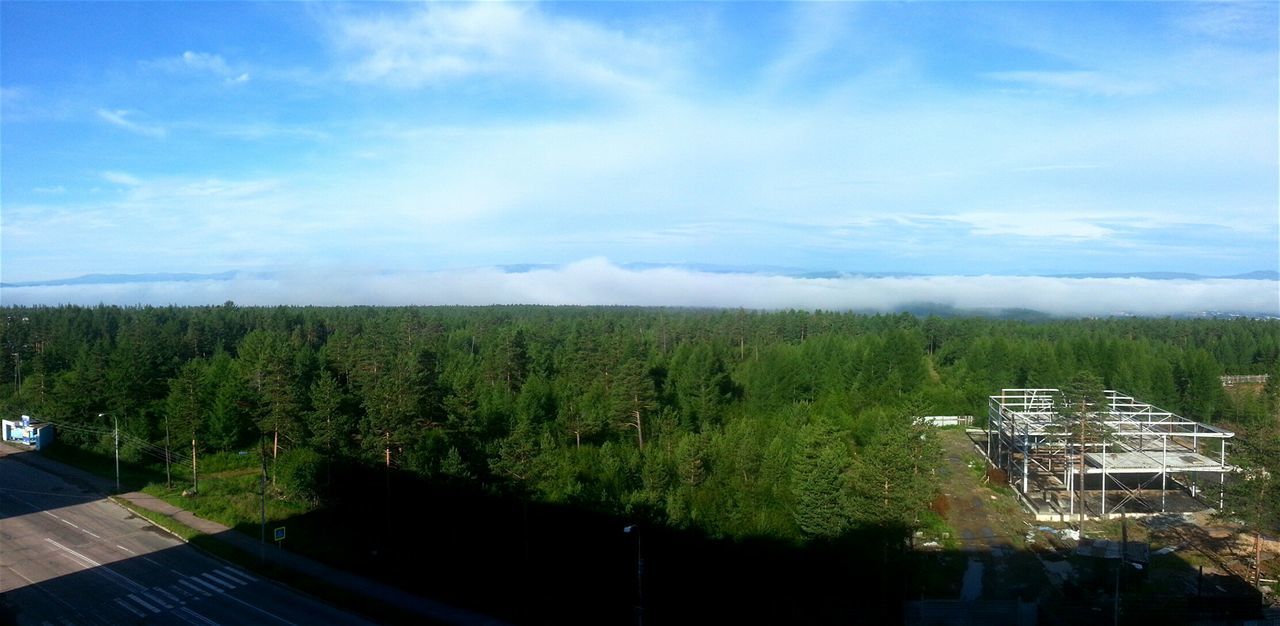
{"type": "Point", "coordinates": [121, 279]}
{"type": "Point", "coordinates": [1258, 275]}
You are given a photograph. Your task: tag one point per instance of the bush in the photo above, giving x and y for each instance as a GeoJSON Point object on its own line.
{"type": "Point", "coordinates": [296, 475]}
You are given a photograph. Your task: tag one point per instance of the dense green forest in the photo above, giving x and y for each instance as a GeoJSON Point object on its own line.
{"type": "Point", "coordinates": [787, 425]}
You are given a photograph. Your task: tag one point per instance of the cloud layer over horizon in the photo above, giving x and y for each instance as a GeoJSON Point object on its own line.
{"type": "Point", "coordinates": [599, 282]}
{"type": "Point", "coordinates": [928, 138]}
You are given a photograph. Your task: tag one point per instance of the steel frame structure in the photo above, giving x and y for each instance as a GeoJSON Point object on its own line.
{"type": "Point", "coordinates": [1029, 438]}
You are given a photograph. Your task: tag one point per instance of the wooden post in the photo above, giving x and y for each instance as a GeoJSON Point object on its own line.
{"type": "Point", "coordinates": [168, 479]}
{"type": "Point", "coordinates": [1257, 558]}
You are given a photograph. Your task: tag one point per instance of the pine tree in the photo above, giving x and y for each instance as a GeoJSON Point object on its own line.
{"type": "Point", "coordinates": [818, 480]}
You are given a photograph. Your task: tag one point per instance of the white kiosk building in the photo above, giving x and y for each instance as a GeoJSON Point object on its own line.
{"type": "Point", "coordinates": [27, 432]}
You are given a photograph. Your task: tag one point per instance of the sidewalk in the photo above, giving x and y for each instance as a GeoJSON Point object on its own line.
{"type": "Point", "coordinates": [374, 591]}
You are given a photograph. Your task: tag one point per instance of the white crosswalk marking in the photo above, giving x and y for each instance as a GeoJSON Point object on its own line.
{"type": "Point", "coordinates": [126, 605]}
{"type": "Point", "coordinates": [156, 599]}
{"type": "Point", "coordinates": [235, 582]}
{"type": "Point", "coordinates": [231, 574]}
{"type": "Point", "coordinates": [197, 579]}
{"type": "Point", "coordinates": [209, 576]}
{"type": "Point", "coordinates": [143, 603]}
{"type": "Point", "coordinates": [195, 588]}
{"type": "Point", "coordinates": [248, 578]}
{"type": "Point", "coordinates": [175, 599]}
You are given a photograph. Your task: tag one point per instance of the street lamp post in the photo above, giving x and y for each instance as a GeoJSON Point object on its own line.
{"type": "Point", "coordinates": [115, 420]}
{"type": "Point", "coordinates": [635, 529]}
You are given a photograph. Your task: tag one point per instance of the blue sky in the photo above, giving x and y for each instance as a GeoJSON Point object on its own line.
{"type": "Point", "coordinates": [966, 139]}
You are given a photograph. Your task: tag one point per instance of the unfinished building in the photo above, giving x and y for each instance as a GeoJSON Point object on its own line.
{"type": "Point", "coordinates": [1072, 460]}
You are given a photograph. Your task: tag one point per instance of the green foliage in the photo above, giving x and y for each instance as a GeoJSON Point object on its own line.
{"type": "Point", "coordinates": [818, 480]}
{"type": "Point", "coordinates": [297, 474]}
{"type": "Point", "coordinates": [791, 425]}
{"type": "Point", "coordinates": [1253, 495]}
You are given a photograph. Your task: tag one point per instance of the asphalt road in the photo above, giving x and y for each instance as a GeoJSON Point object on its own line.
{"type": "Point", "coordinates": [68, 556]}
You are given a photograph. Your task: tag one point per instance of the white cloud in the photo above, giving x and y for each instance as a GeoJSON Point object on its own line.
{"type": "Point", "coordinates": [598, 282]}
{"type": "Point", "coordinates": [440, 43]}
{"type": "Point", "coordinates": [204, 61]}
{"type": "Point", "coordinates": [120, 119]}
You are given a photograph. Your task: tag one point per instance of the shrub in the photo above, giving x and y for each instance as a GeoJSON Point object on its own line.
{"type": "Point", "coordinates": [296, 474]}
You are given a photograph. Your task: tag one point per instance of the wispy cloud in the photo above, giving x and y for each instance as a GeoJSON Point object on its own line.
{"type": "Point", "coordinates": [1087, 82]}
{"type": "Point", "coordinates": [1034, 225]}
{"type": "Point", "coordinates": [1230, 20]}
{"type": "Point", "coordinates": [122, 178]}
{"type": "Point", "coordinates": [597, 281]}
{"type": "Point", "coordinates": [202, 63]}
{"type": "Point", "coordinates": [443, 43]}
{"type": "Point", "coordinates": [120, 119]}
{"type": "Point", "coordinates": [816, 29]}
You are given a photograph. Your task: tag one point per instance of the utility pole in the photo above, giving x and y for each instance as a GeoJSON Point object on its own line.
{"type": "Point", "coordinates": [195, 482]}
{"type": "Point", "coordinates": [116, 421]}
{"type": "Point", "coordinates": [262, 486]}
{"type": "Point", "coordinates": [168, 478]}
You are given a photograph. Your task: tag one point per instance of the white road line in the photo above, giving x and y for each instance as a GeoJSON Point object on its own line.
{"type": "Point", "coordinates": [185, 618]}
{"type": "Point", "coordinates": [56, 598]}
{"type": "Point", "coordinates": [77, 554]}
{"type": "Point", "coordinates": [205, 584]}
{"type": "Point", "coordinates": [264, 612]}
{"type": "Point", "coordinates": [131, 609]}
{"type": "Point", "coordinates": [47, 513]}
{"type": "Point", "coordinates": [184, 592]}
{"type": "Point", "coordinates": [217, 580]}
{"type": "Point", "coordinates": [152, 561]}
{"type": "Point", "coordinates": [67, 523]}
{"type": "Point", "coordinates": [235, 582]}
{"type": "Point", "coordinates": [90, 533]}
{"type": "Point", "coordinates": [198, 590]}
{"type": "Point", "coordinates": [125, 549]}
{"type": "Point", "coordinates": [100, 568]}
{"type": "Point", "coordinates": [202, 619]}
{"type": "Point", "coordinates": [236, 576]}
{"type": "Point", "coordinates": [241, 573]}
{"type": "Point", "coordinates": [146, 605]}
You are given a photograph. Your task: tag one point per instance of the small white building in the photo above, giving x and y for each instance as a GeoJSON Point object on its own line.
{"type": "Point", "coordinates": [27, 432]}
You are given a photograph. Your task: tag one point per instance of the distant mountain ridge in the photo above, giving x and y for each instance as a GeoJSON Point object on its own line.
{"type": "Point", "coordinates": [124, 279]}
{"type": "Point", "coordinates": [709, 268]}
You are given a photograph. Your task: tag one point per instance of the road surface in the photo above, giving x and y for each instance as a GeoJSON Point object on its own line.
{"type": "Point", "coordinates": [68, 556]}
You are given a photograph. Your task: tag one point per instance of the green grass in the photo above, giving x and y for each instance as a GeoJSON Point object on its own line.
{"type": "Point", "coordinates": [229, 492]}
{"type": "Point", "coordinates": [229, 484]}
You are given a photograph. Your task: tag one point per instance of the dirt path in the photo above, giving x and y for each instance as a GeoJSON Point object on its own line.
{"type": "Point", "coordinates": [990, 528]}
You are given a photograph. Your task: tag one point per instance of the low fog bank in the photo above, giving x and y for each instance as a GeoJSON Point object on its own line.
{"type": "Point", "coordinates": [599, 282]}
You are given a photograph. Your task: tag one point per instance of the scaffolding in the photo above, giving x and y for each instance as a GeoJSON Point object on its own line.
{"type": "Point", "coordinates": [1151, 460]}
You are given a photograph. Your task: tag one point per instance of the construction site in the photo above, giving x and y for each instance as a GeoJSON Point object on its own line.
{"type": "Point", "coordinates": [1104, 457]}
